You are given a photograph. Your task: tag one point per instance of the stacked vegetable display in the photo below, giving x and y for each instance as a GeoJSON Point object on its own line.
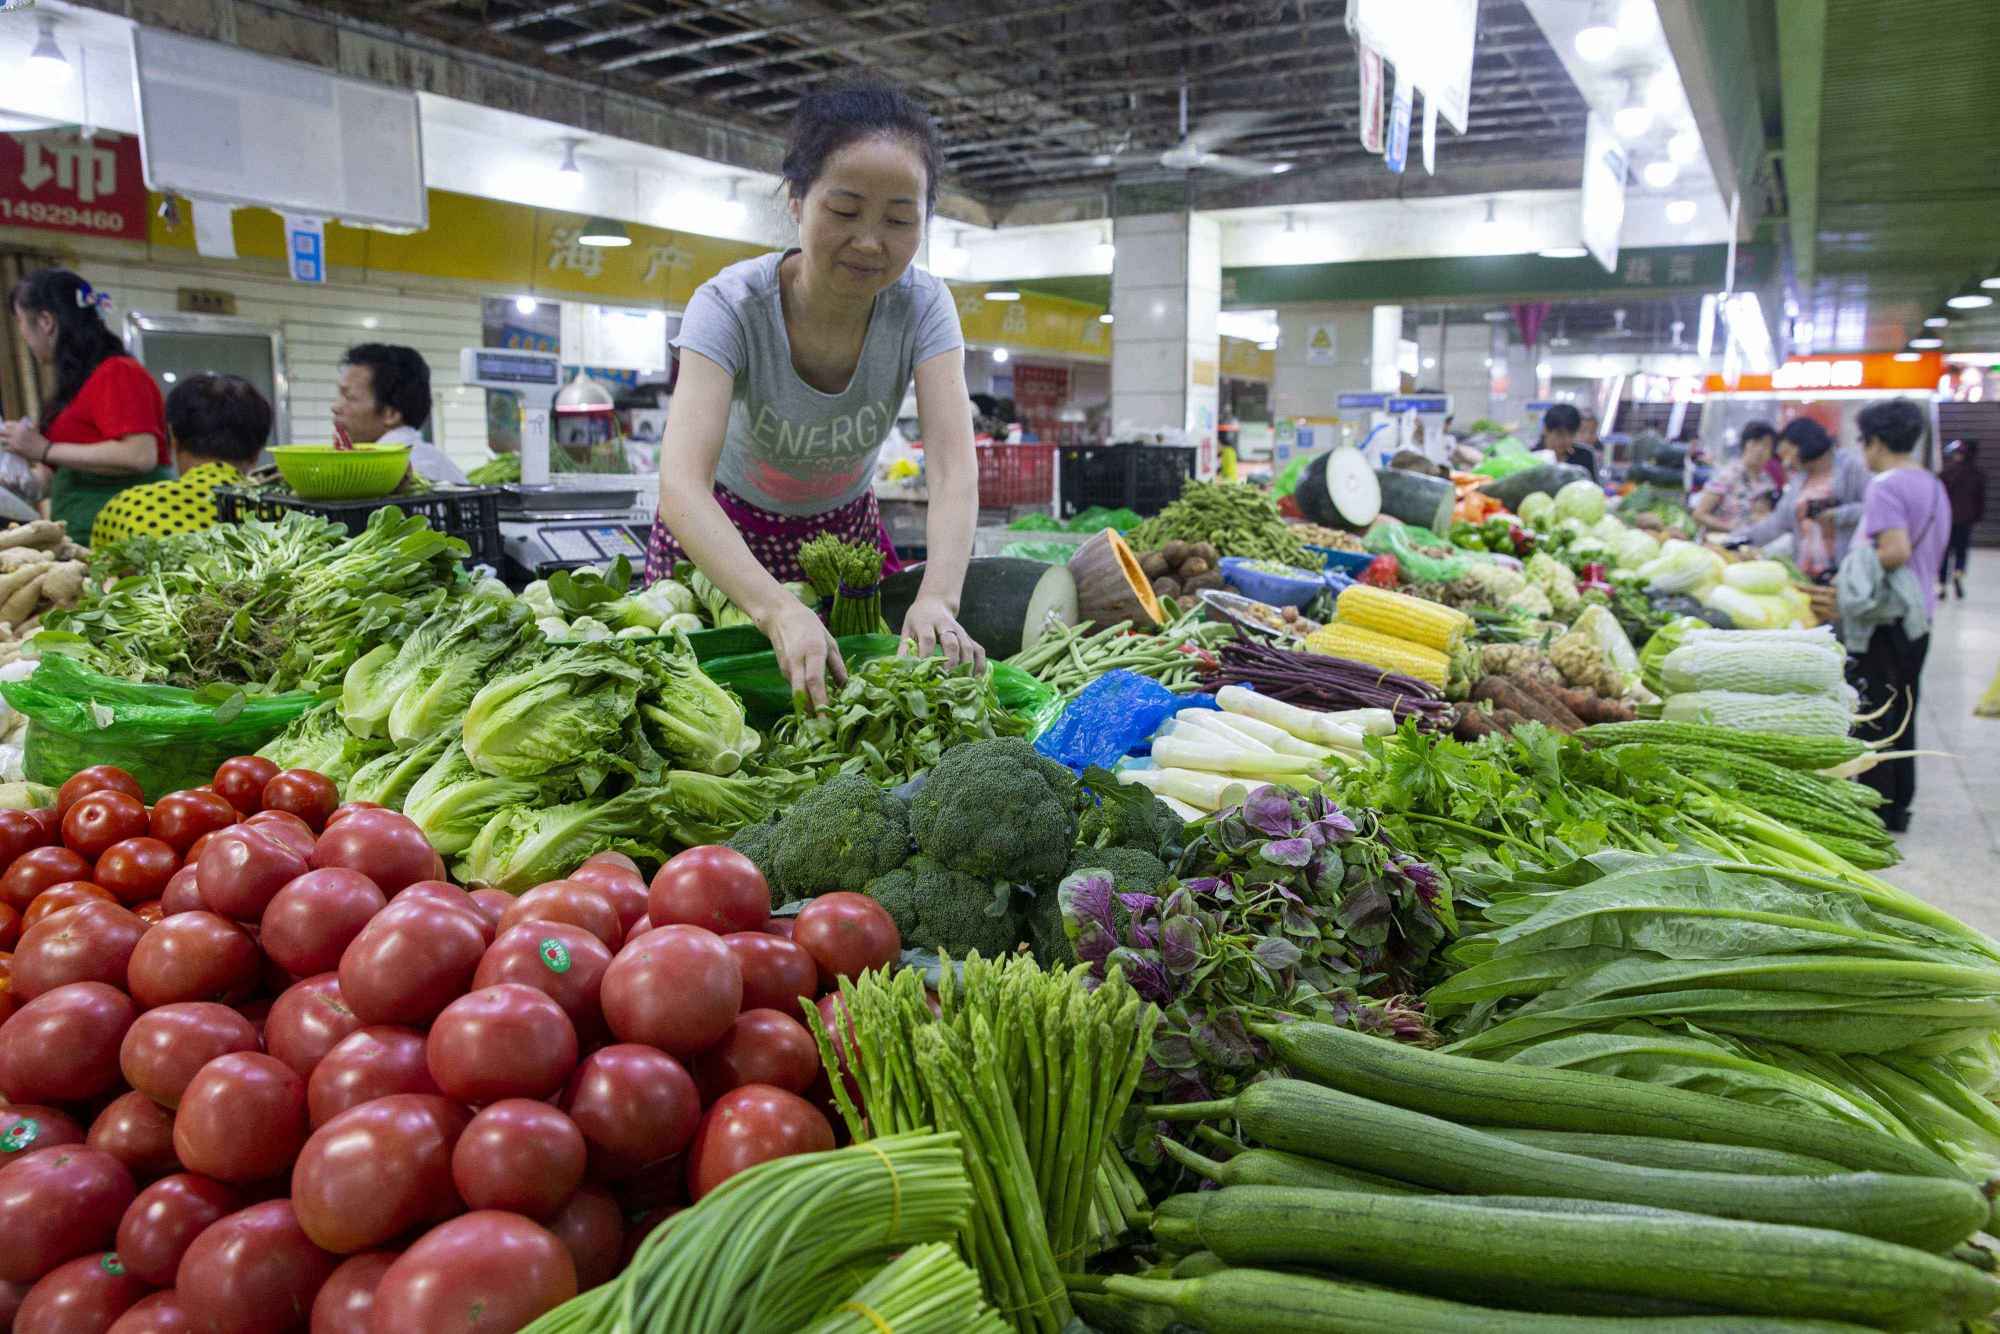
{"type": "Point", "coordinates": [284, 1068]}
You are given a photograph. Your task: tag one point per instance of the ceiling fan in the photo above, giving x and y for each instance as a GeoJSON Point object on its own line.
{"type": "Point", "coordinates": [1196, 150]}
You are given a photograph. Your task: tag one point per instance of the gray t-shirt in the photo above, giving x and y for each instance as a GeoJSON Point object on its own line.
{"type": "Point", "coordinates": [789, 448]}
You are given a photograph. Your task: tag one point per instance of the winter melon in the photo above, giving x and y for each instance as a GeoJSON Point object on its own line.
{"type": "Point", "coordinates": [1005, 604]}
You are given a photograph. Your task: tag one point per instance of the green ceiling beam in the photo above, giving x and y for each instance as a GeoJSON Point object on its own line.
{"type": "Point", "coordinates": [1802, 63]}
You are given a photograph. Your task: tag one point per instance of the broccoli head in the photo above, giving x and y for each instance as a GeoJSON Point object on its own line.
{"type": "Point", "coordinates": [937, 908]}
{"type": "Point", "coordinates": [998, 810]}
{"type": "Point", "coordinates": [1047, 936]}
{"type": "Point", "coordinates": [754, 842]}
{"type": "Point", "coordinates": [1133, 870]}
{"type": "Point", "coordinates": [842, 834]}
{"type": "Point", "coordinates": [1125, 815]}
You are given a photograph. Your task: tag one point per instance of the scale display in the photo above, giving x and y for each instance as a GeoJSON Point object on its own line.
{"type": "Point", "coordinates": [592, 543]}
{"type": "Point", "coordinates": [501, 368]}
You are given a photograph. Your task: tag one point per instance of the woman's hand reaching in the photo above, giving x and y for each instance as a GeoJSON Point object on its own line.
{"type": "Point", "coordinates": [930, 626]}
{"type": "Point", "coordinates": [806, 652]}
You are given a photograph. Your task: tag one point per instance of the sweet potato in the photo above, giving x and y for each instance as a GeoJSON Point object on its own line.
{"type": "Point", "coordinates": [1522, 698]}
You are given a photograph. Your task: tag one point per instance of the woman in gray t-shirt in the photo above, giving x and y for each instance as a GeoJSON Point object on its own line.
{"type": "Point", "coordinates": [792, 368]}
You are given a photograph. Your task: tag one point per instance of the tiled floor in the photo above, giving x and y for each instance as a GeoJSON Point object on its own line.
{"type": "Point", "coordinates": [1952, 852]}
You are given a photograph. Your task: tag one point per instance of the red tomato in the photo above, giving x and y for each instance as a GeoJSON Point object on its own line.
{"type": "Point", "coordinates": [761, 1047]}
{"type": "Point", "coordinates": [200, 845]}
{"type": "Point", "coordinates": [241, 1118]}
{"type": "Point", "coordinates": [286, 828]}
{"type": "Point", "coordinates": [97, 778]}
{"type": "Point", "coordinates": [306, 1021]}
{"type": "Point", "coordinates": [49, 820]}
{"type": "Point", "coordinates": [782, 927]}
{"type": "Point", "coordinates": [92, 942]}
{"type": "Point", "coordinates": [137, 869]}
{"type": "Point", "coordinates": [638, 929]}
{"type": "Point", "coordinates": [101, 819]}
{"type": "Point", "coordinates": [149, 912]}
{"type": "Point", "coordinates": [183, 892]}
{"type": "Point", "coordinates": [847, 934]}
{"type": "Point", "coordinates": [165, 1218]}
{"type": "Point", "coordinates": [310, 922]}
{"type": "Point", "coordinates": [485, 1270]}
{"type": "Point", "coordinates": [63, 1047]}
{"type": "Point", "coordinates": [520, 1155]}
{"type": "Point", "coordinates": [663, 1182]}
{"type": "Point", "coordinates": [242, 869]}
{"type": "Point", "coordinates": [25, 1127]}
{"type": "Point", "coordinates": [492, 904]}
{"type": "Point", "coordinates": [139, 1133]}
{"type": "Point", "coordinates": [66, 895]}
{"type": "Point", "coordinates": [625, 888]}
{"type": "Point", "coordinates": [179, 818]}
{"type": "Point", "coordinates": [161, 1313]}
{"type": "Point", "coordinates": [752, 1125]}
{"type": "Point", "coordinates": [611, 859]}
{"type": "Point", "coordinates": [308, 795]}
{"type": "Point", "coordinates": [592, 1226]}
{"type": "Point", "coordinates": [451, 896]}
{"type": "Point", "coordinates": [194, 956]}
{"type": "Point", "coordinates": [567, 901]}
{"type": "Point", "coordinates": [165, 1048]}
{"type": "Point", "coordinates": [411, 961]}
{"type": "Point", "coordinates": [777, 973]}
{"type": "Point", "coordinates": [347, 808]}
{"type": "Point", "coordinates": [506, 1041]}
{"type": "Point", "coordinates": [254, 1272]}
{"type": "Point", "coordinates": [714, 887]}
{"type": "Point", "coordinates": [240, 782]}
{"type": "Point", "coordinates": [86, 1294]}
{"type": "Point", "coordinates": [10, 929]}
{"type": "Point", "coordinates": [38, 869]}
{"type": "Point", "coordinates": [368, 1063]}
{"type": "Point", "coordinates": [346, 1305]}
{"type": "Point", "coordinates": [386, 847]}
{"type": "Point", "coordinates": [635, 1105]}
{"type": "Point", "coordinates": [677, 988]}
{"type": "Point", "coordinates": [20, 831]}
{"type": "Point", "coordinates": [565, 962]}
{"type": "Point", "coordinates": [59, 1203]}
{"type": "Point", "coordinates": [378, 1170]}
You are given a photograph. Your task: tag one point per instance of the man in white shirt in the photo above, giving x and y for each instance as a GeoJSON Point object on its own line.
{"type": "Point", "coordinates": [384, 397]}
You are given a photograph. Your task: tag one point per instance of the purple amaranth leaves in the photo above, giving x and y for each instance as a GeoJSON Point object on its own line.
{"type": "Point", "coordinates": [1422, 876]}
{"type": "Point", "coordinates": [1288, 851]}
{"type": "Point", "coordinates": [1180, 945]}
{"type": "Point", "coordinates": [1273, 811]}
{"type": "Point", "coordinates": [1086, 897]}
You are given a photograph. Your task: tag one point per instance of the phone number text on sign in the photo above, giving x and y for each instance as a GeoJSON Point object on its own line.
{"type": "Point", "coordinates": [60, 181]}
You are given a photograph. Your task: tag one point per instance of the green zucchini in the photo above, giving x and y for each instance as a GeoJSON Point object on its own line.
{"type": "Point", "coordinates": [1932, 1213]}
{"type": "Point", "coordinates": [1684, 1155]}
{"type": "Point", "coordinates": [1532, 1097]}
{"type": "Point", "coordinates": [1428, 1241]}
{"type": "Point", "coordinates": [1264, 1301]}
{"type": "Point", "coordinates": [1272, 1167]}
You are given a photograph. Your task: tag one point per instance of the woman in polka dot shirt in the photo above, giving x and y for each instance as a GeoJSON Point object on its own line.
{"type": "Point", "coordinates": [218, 424]}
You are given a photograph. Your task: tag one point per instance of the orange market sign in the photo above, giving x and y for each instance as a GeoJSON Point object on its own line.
{"type": "Point", "coordinates": [1867, 371]}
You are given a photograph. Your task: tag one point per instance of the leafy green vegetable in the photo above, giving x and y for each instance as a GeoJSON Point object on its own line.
{"type": "Point", "coordinates": [524, 846]}
{"type": "Point", "coordinates": [690, 719]}
{"type": "Point", "coordinates": [893, 719]}
{"type": "Point", "coordinates": [410, 691]}
{"type": "Point", "coordinates": [319, 740]}
{"type": "Point", "coordinates": [387, 779]}
{"type": "Point", "coordinates": [452, 801]}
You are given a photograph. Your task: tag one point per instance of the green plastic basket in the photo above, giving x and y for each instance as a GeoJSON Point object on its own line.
{"type": "Point", "coordinates": [323, 472]}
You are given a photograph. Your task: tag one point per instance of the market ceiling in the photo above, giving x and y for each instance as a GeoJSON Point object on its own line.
{"type": "Point", "coordinates": [1033, 103]}
{"type": "Point", "coordinates": [1892, 166]}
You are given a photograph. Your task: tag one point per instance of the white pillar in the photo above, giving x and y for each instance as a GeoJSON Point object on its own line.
{"type": "Point", "coordinates": [1383, 375]}
{"type": "Point", "coordinates": [1166, 290]}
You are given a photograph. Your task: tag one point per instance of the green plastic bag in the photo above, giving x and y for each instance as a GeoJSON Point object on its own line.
{"type": "Point", "coordinates": [1036, 523]}
{"type": "Point", "coordinates": [1048, 553]}
{"type": "Point", "coordinates": [1401, 541]}
{"type": "Point", "coordinates": [1097, 517]}
{"type": "Point", "coordinates": [767, 695]}
{"type": "Point", "coordinates": [166, 737]}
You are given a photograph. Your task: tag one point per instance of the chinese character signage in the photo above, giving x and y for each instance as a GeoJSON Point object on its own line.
{"type": "Point", "coordinates": [59, 181]}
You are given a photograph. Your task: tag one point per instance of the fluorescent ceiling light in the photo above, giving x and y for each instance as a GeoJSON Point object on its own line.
{"type": "Point", "coordinates": [525, 304]}
{"type": "Point", "coordinates": [1936, 322]}
{"type": "Point", "coordinates": [1680, 212]}
{"type": "Point", "coordinates": [1003, 294]}
{"type": "Point", "coordinates": [1430, 363]}
{"type": "Point", "coordinates": [1106, 318]}
{"type": "Point", "coordinates": [1496, 317]}
{"type": "Point", "coordinates": [1659, 174]}
{"type": "Point", "coordinates": [1000, 355]}
{"type": "Point", "coordinates": [1565, 252]}
{"type": "Point", "coordinates": [607, 233]}
{"type": "Point", "coordinates": [1926, 342]}
{"type": "Point", "coordinates": [1991, 284]}
{"type": "Point", "coordinates": [1969, 301]}
{"type": "Point", "coordinates": [1632, 120]}
{"type": "Point", "coordinates": [1597, 39]}
{"type": "Point", "coordinates": [731, 213]}
{"type": "Point", "coordinates": [1684, 146]}
{"type": "Point", "coordinates": [1105, 252]}
{"type": "Point", "coordinates": [1908, 356]}
{"type": "Point", "coordinates": [1268, 346]}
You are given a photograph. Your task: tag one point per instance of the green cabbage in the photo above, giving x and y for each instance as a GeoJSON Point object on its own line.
{"type": "Point", "coordinates": [1634, 548]}
{"type": "Point", "coordinates": [1582, 499]}
{"type": "Point", "coordinates": [1538, 509]}
{"type": "Point", "coordinates": [1763, 577]}
{"type": "Point", "coordinates": [1682, 567]}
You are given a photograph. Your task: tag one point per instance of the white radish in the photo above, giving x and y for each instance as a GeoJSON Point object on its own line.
{"type": "Point", "coordinates": [1273, 738]}
{"type": "Point", "coordinates": [1176, 753]}
{"type": "Point", "coordinates": [1368, 722]}
{"type": "Point", "coordinates": [1203, 791]}
{"type": "Point", "coordinates": [1206, 727]}
{"type": "Point", "coordinates": [1305, 724]}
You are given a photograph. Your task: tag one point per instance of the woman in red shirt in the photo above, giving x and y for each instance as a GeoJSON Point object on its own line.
{"type": "Point", "coordinates": [104, 428]}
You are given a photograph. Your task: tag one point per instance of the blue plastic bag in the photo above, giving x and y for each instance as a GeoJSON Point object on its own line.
{"type": "Point", "coordinates": [1109, 718]}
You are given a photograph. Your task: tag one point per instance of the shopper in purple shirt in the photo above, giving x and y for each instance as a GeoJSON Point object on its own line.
{"type": "Point", "coordinates": [1907, 516]}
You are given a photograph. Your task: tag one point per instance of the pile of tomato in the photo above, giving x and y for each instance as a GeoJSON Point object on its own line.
{"type": "Point", "coordinates": [263, 1069]}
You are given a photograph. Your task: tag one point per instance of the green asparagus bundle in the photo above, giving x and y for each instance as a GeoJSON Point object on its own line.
{"type": "Point", "coordinates": [848, 578]}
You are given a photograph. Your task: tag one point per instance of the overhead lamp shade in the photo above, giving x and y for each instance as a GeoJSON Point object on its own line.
{"type": "Point", "coordinates": [608, 232]}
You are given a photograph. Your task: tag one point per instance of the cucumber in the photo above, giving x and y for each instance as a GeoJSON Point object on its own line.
{"type": "Point", "coordinates": [1425, 1241]}
{"type": "Point", "coordinates": [1271, 1167]}
{"type": "Point", "coordinates": [1264, 1301]}
{"type": "Point", "coordinates": [1533, 1098]}
{"type": "Point", "coordinates": [1932, 1213]}
{"type": "Point", "coordinates": [1686, 1155]}
{"type": "Point", "coordinates": [1003, 604]}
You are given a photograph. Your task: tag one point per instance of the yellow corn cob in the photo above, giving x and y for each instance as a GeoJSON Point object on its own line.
{"type": "Point", "coordinates": [1339, 639]}
{"type": "Point", "coordinates": [1391, 613]}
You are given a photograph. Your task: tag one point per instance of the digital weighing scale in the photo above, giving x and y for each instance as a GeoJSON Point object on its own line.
{"type": "Point", "coordinates": [549, 524]}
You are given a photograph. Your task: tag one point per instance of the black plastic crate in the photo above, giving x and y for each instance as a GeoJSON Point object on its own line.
{"type": "Point", "coordinates": [471, 514]}
{"type": "Point", "coordinates": [1142, 478]}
